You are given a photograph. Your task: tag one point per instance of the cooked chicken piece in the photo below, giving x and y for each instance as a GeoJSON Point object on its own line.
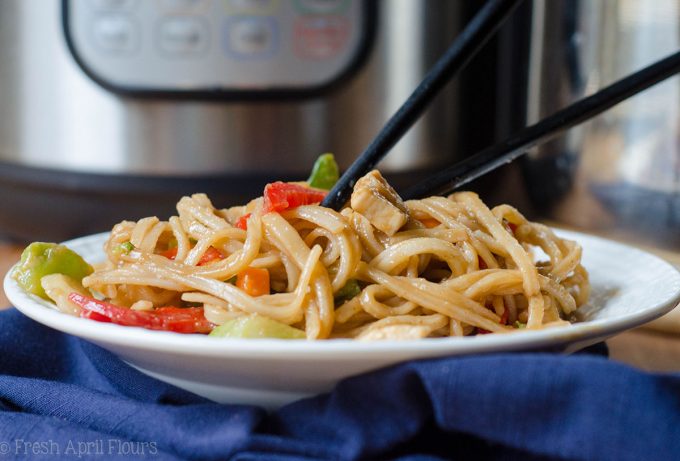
{"type": "Point", "coordinates": [379, 203]}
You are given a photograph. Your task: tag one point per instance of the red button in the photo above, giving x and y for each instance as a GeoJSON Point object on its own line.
{"type": "Point", "coordinates": [320, 37]}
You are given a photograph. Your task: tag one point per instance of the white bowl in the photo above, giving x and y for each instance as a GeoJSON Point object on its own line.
{"type": "Point", "coordinates": [629, 287]}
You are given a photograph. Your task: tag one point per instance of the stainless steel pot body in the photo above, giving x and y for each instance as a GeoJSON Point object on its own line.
{"type": "Point", "coordinates": [77, 152]}
{"type": "Point", "coordinates": [621, 171]}
{"type": "Point", "coordinates": [53, 115]}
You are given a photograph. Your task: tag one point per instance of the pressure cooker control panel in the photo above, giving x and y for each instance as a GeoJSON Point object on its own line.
{"type": "Point", "coordinates": [218, 47]}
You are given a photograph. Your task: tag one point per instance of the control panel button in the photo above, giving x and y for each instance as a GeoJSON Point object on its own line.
{"type": "Point", "coordinates": [320, 37]}
{"type": "Point", "coordinates": [116, 34]}
{"type": "Point", "coordinates": [321, 6]}
{"type": "Point", "coordinates": [114, 5]}
{"type": "Point", "coordinates": [181, 6]}
{"type": "Point", "coordinates": [225, 48]}
{"type": "Point", "coordinates": [183, 36]}
{"type": "Point", "coordinates": [252, 6]}
{"type": "Point", "coordinates": [251, 37]}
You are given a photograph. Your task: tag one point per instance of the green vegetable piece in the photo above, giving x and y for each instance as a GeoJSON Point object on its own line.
{"type": "Point", "coordinates": [520, 325]}
{"type": "Point", "coordinates": [125, 248]}
{"type": "Point", "coordinates": [257, 326]}
{"type": "Point", "coordinates": [40, 259]}
{"type": "Point", "coordinates": [325, 172]}
{"type": "Point", "coordinates": [349, 291]}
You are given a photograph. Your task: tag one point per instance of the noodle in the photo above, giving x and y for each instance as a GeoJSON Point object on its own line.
{"type": "Point", "coordinates": [454, 268]}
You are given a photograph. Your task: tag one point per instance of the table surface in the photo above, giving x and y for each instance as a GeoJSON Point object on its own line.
{"type": "Point", "coordinates": [646, 349]}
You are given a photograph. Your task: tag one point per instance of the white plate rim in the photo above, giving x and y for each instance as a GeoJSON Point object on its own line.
{"type": "Point", "coordinates": [341, 349]}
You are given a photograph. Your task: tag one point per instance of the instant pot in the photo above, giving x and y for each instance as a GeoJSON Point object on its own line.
{"type": "Point", "coordinates": [114, 109]}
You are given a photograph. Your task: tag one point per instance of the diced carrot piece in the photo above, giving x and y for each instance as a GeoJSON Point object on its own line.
{"type": "Point", "coordinates": [254, 281]}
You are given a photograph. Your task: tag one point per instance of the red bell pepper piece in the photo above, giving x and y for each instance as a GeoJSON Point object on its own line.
{"type": "Point", "coordinates": [92, 315]}
{"type": "Point", "coordinates": [242, 222]}
{"type": "Point", "coordinates": [177, 319]}
{"type": "Point", "coordinates": [281, 196]}
{"type": "Point", "coordinates": [504, 316]}
{"type": "Point", "coordinates": [212, 254]}
{"type": "Point", "coordinates": [171, 253]}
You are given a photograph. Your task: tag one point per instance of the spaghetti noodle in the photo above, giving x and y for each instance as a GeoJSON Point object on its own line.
{"type": "Point", "coordinates": [379, 268]}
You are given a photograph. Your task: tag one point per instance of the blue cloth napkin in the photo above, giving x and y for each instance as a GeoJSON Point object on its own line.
{"type": "Point", "coordinates": [63, 397]}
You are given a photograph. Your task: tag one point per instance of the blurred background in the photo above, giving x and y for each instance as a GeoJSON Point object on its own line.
{"type": "Point", "coordinates": [113, 109]}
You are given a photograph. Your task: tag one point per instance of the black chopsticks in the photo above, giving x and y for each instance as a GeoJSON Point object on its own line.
{"type": "Point", "coordinates": [475, 34]}
{"type": "Point", "coordinates": [504, 152]}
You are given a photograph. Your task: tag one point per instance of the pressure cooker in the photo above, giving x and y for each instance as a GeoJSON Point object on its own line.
{"type": "Point", "coordinates": [113, 109]}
